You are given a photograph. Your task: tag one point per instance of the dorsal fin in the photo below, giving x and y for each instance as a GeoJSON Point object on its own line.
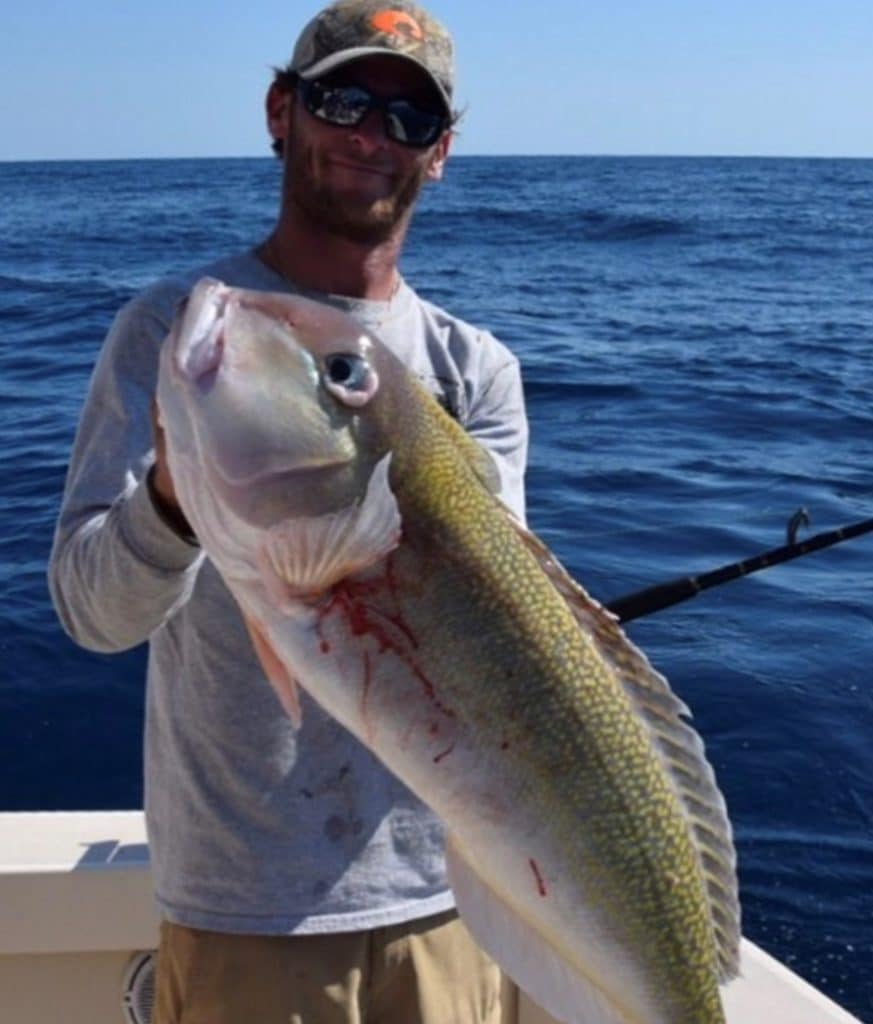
{"type": "Point", "coordinates": [679, 747]}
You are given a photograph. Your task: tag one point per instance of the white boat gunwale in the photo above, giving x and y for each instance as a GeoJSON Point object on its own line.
{"type": "Point", "coordinates": [76, 904]}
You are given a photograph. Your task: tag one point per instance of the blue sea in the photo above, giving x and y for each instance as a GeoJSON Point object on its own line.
{"type": "Point", "coordinates": [697, 343]}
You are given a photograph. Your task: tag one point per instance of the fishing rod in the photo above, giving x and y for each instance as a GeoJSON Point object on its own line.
{"type": "Point", "coordinates": [664, 595]}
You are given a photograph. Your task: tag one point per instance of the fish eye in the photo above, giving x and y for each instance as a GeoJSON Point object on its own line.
{"type": "Point", "coordinates": [347, 370]}
{"type": "Point", "coordinates": [350, 378]}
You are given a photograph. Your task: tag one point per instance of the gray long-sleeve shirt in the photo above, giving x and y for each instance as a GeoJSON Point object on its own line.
{"type": "Point", "coordinates": [253, 826]}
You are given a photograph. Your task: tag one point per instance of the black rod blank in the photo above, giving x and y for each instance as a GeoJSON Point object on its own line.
{"type": "Point", "coordinates": [663, 595]}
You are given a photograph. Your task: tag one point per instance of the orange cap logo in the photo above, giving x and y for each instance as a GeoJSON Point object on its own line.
{"type": "Point", "coordinates": [397, 23]}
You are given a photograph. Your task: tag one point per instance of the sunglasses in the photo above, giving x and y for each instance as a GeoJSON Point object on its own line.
{"type": "Point", "coordinates": [347, 105]}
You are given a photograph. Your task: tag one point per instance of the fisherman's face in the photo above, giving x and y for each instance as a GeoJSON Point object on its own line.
{"type": "Point", "coordinates": [355, 181]}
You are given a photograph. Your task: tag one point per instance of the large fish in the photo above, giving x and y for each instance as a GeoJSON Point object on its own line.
{"type": "Point", "coordinates": [357, 527]}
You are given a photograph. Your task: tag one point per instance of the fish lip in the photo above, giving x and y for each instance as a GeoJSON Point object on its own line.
{"type": "Point", "coordinates": [201, 324]}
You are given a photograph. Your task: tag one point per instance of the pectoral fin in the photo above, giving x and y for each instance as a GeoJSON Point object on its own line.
{"type": "Point", "coordinates": [303, 558]}
{"type": "Point", "coordinates": [283, 682]}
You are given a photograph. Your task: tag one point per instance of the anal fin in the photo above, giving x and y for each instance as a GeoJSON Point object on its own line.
{"type": "Point", "coordinates": [524, 954]}
{"type": "Point", "coordinates": [283, 682]}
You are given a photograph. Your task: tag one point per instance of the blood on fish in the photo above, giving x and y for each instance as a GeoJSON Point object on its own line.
{"type": "Point", "coordinates": [445, 753]}
{"type": "Point", "coordinates": [541, 885]}
{"type": "Point", "coordinates": [389, 630]}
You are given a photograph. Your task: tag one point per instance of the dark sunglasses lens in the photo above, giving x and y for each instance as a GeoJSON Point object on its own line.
{"type": "Point", "coordinates": [410, 125]}
{"type": "Point", "coordinates": [344, 105]}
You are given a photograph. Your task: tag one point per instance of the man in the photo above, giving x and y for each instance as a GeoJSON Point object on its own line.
{"type": "Point", "coordinates": [297, 879]}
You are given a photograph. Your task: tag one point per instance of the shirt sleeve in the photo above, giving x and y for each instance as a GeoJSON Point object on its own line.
{"type": "Point", "coordinates": [117, 571]}
{"type": "Point", "coordinates": [497, 420]}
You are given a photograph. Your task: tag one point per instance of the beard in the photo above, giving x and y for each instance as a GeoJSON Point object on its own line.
{"type": "Point", "coordinates": [362, 220]}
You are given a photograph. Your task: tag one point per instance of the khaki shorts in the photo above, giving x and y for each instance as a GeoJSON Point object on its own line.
{"type": "Point", "coordinates": [420, 972]}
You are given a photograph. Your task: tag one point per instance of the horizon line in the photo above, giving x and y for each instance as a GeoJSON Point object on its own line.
{"type": "Point", "coordinates": [455, 156]}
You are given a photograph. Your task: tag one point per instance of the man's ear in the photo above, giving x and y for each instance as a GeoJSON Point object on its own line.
{"type": "Point", "coordinates": [439, 156]}
{"type": "Point", "coordinates": [278, 104]}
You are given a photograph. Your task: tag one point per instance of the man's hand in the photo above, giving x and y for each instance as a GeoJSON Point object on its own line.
{"type": "Point", "coordinates": [161, 487]}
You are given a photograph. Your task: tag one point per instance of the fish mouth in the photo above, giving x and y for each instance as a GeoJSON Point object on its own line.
{"type": "Point", "coordinates": [309, 472]}
{"type": "Point", "coordinates": [263, 498]}
{"type": "Point", "coordinates": [200, 319]}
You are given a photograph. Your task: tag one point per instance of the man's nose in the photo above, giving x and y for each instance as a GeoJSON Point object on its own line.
{"type": "Point", "coordinates": [370, 133]}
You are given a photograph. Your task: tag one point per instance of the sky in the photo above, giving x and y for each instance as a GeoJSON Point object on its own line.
{"type": "Point", "coordinates": [97, 79]}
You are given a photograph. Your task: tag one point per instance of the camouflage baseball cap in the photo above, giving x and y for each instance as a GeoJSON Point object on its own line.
{"type": "Point", "coordinates": [350, 29]}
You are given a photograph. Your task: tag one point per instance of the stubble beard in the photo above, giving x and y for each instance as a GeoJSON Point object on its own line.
{"type": "Point", "coordinates": [370, 223]}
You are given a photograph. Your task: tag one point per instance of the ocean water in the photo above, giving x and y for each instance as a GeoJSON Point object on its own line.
{"type": "Point", "coordinates": [697, 342]}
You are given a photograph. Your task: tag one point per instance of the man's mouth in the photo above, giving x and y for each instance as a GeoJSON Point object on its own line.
{"type": "Point", "coordinates": [357, 167]}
